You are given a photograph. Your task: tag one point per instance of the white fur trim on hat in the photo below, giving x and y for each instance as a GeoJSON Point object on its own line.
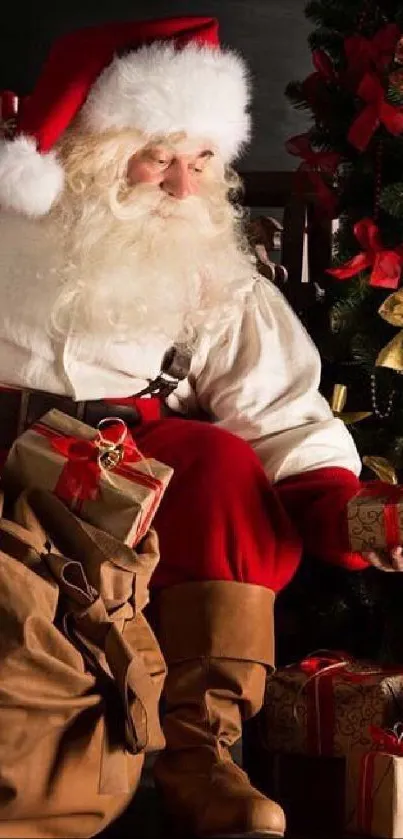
{"type": "Point", "coordinates": [30, 182]}
{"type": "Point", "coordinates": [160, 90]}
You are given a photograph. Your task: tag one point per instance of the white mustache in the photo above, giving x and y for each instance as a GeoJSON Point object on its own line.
{"type": "Point", "coordinates": [146, 200]}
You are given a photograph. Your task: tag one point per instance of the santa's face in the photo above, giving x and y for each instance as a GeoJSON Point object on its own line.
{"type": "Point", "coordinates": [177, 170]}
{"type": "Point", "coordinates": [151, 239]}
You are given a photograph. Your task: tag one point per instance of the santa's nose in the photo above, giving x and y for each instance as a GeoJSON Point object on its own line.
{"type": "Point", "coordinates": [177, 181]}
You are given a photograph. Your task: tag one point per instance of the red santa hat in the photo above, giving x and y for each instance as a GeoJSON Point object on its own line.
{"type": "Point", "coordinates": [157, 77]}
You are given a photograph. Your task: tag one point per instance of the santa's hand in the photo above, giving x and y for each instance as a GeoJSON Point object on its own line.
{"type": "Point", "coordinates": [386, 560]}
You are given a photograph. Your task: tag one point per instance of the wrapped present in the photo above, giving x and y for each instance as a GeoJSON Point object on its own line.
{"type": "Point", "coordinates": [374, 787]}
{"type": "Point", "coordinates": [326, 704]}
{"type": "Point", "coordinates": [375, 517]}
{"type": "Point", "coordinates": [99, 473]}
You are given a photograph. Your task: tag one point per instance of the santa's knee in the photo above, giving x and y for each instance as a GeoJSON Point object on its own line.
{"type": "Point", "coordinates": [217, 460]}
{"type": "Point", "coordinates": [221, 518]}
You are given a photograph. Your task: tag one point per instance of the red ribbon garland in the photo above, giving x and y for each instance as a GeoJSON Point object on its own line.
{"type": "Point", "coordinates": [365, 54]}
{"type": "Point", "coordinates": [314, 163]}
{"type": "Point", "coordinates": [386, 264]}
{"type": "Point", "coordinates": [376, 112]}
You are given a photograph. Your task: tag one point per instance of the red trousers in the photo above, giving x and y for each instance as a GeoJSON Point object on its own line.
{"type": "Point", "coordinates": [220, 518]}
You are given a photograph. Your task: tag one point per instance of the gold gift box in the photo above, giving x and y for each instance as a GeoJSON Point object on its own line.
{"type": "Point", "coordinates": [374, 794]}
{"type": "Point", "coordinates": [328, 710]}
{"type": "Point", "coordinates": [375, 518]}
{"type": "Point", "coordinates": [126, 497]}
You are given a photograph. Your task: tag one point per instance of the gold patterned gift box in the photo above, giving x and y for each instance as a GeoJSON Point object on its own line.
{"type": "Point", "coordinates": [375, 517]}
{"type": "Point", "coordinates": [374, 789]}
{"type": "Point", "coordinates": [326, 704]}
{"type": "Point", "coordinates": [100, 474]}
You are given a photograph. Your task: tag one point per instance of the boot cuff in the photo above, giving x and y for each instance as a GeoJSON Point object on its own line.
{"type": "Point", "coordinates": [216, 619]}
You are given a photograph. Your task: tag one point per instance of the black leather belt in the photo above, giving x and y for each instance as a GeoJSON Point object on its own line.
{"type": "Point", "coordinates": [20, 408]}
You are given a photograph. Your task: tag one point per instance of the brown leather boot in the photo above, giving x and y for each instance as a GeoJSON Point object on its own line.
{"type": "Point", "coordinates": [217, 638]}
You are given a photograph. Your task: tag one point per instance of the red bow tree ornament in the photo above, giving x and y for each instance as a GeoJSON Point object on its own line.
{"type": "Point", "coordinates": [366, 54]}
{"type": "Point", "coordinates": [375, 112]}
{"type": "Point", "coordinates": [314, 88]}
{"type": "Point", "coordinates": [314, 165]}
{"type": "Point", "coordinates": [324, 69]}
{"type": "Point", "coordinates": [386, 264]}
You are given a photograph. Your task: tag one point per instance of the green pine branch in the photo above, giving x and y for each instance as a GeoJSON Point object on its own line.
{"type": "Point", "coordinates": [392, 200]}
{"type": "Point", "coordinates": [355, 333]}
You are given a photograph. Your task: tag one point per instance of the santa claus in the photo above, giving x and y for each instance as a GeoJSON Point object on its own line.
{"type": "Point", "coordinates": [118, 242]}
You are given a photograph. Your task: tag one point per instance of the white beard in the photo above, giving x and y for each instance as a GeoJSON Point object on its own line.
{"type": "Point", "coordinates": [148, 264]}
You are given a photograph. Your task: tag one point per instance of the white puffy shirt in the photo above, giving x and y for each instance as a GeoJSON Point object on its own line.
{"type": "Point", "coordinates": [258, 377]}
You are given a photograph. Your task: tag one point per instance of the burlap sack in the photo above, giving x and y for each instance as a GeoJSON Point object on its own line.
{"type": "Point", "coordinates": [80, 672]}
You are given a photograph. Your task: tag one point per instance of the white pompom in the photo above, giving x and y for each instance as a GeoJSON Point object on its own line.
{"type": "Point", "coordinates": [30, 182]}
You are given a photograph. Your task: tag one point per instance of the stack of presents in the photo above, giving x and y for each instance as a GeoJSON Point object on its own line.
{"type": "Point", "coordinates": [329, 742]}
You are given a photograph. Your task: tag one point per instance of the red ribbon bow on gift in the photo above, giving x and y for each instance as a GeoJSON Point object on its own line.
{"type": "Point", "coordinates": [392, 494]}
{"type": "Point", "coordinates": [385, 740]}
{"type": "Point", "coordinates": [314, 163]}
{"type": "Point", "coordinates": [79, 479]}
{"type": "Point", "coordinates": [376, 112]}
{"type": "Point", "coordinates": [386, 263]}
{"type": "Point", "coordinates": [389, 742]}
{"type": "Point", "coordinates": [363, 54]}
{"type": "Point", "coordinates": [324, 660]}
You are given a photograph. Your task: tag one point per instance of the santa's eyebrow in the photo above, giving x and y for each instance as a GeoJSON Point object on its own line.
{"type": "Point", "coordinates": [206, 153]}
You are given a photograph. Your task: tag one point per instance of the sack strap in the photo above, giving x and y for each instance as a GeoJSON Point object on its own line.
{"type": "Point", "coordinates": [89, 627]}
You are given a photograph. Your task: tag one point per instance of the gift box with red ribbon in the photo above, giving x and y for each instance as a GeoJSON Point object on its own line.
{"type": "Point", "coordinates": [99, 473]}
{"type": "Point", "coordinates": [375, 517]}
{"type": "Point", "coordinates": [326, 704]}
{"type": "Point", "coordinates": [374, 787]}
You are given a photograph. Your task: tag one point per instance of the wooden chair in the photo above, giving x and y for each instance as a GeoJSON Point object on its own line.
{"type": "Point", "coordinates": [306, 233]}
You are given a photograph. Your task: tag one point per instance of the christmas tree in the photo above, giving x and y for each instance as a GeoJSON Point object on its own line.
{"type": "Point", "coordinates": [353, 155]}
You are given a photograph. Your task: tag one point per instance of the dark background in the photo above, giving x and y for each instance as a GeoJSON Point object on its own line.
{"type": "Point", "coordinates": [270, 34]}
